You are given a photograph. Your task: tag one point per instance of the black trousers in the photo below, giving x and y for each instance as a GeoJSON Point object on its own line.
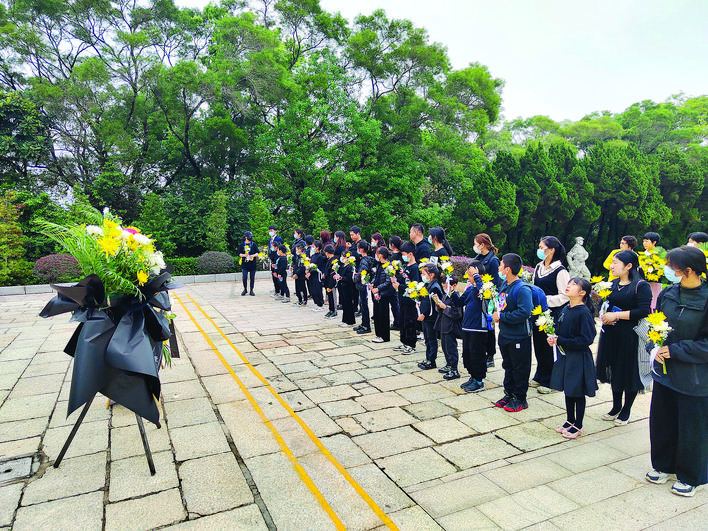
{"type": "Point", "coordinates": [330, 300]}
{"type": "Point", "coordinates": [347, 303]}
{"type": "Point", "coordinates": [276, 281]}
{"type": "Point", "coordinates": [395, 310]}
{"type": "Point", "coordinates": [245, 273]}
{"type": "Point", "coordinates": [364, 306]}
{"type": "Point", "coordinates": [544, 358]}
{"type": "Point", "coordinates": [431, 340]}
{"type": "Point", "coordinates": [408, 316]}
{"type": "Point", "coordinates": [300, 289]}
{"type": "Point", "coordinates": [315, 287]}
{"type": "Point", "coordinates": [382, 325]}
{"type": "Point", "coordinates": [355, 297]}
{"type": "Point", "coordinates": [448, 342]}
{"type": "Point", "coordinates": [474, 353]}
{"type": "Point", "coordinates": [516, 362]}
{"type": "Point", "coordinates": [284, 289]}
{"type": "Point", "coordinates": [491, 345]}
{"type": "Point", "coordinates": [678, 430]}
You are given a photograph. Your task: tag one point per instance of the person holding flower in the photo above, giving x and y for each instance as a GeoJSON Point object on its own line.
{"type": "Point", "coordinates": [408, 314]}
{"type": "Point", "coordinates": [430, 275]}
{"type": "Point", "coordinates": [441, 246]}
{"type": "Point", "coordinates": [273, 244]}
{"type": "Point", "coordinates": [678, 419]}
{"type": "Point", "coordinates": [574, 370]}
{"type": "Point", "coordinates": [422, 245]}
{"type": "Point", "coordinates": [628, 302]}
{"type": "Point", "coordinates": [652, 261]}
{"type": "Point", "coordinates": [363, 277]}
{"type": "Point", "coordinates": [383, 291]}
{"type": "Point", "coordinates": [248, 251]}
{"type": "Point", "coordinates": [552, 277]}
{"type": "Point", "coordinates": [487, 255]}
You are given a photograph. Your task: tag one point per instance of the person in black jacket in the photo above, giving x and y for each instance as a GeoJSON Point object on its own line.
{"type": "Point", "coordinates": [430, 275]}
{"type": "Point", "coordinates": [422, 245]}
{"type": "Point", "coordinates": [382, 292]}
{"type": "Point", "coordinates": [408, 313]}
{"type": "Point", "coordinates": [355, 236]}
{"type": "Point", "coordinates": [345, 277]}
{"type": "Point", "coordinates": [678, 419]}
{"type": "Point", "coordinates": [366, 268]}
{"type": "Point", "coordinates": [487, 255]}
{"type": "Point", "coordinates": [440, 245]}
{"type": "Point", "coordinates": [314, 276]}
{"type": "Point", "coordinates": [449, 326]}
{"type": "Point", "coordinates": [329, 281]}
{"type": "Point", "coordinates": [273, 244]}
{"type": "Point", "coordinates": [394, 244]}
{"type": "Point", "coordinates": [299, 274]}
{"type": "Point", "coordinates": [281, 273]}
{"type": "Point", "coordinates": [248, 251]}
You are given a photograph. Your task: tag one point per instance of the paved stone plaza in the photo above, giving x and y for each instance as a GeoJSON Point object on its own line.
{"type": "Point", "coordinates": [275, 418]}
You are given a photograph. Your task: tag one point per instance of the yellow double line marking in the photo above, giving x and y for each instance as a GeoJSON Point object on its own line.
{"type": "Point", "coordinates": [284, 447]}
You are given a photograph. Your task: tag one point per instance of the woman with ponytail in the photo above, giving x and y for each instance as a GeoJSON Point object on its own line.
{"type": "Point", "coordinates": [441, 247]}
{"type": "Point", "coordinates": [574, 370]}
{"type": "Point", "coordinates": [487, 255]}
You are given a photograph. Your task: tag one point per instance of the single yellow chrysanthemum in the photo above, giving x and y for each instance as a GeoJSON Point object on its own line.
{"type": "Point", "coordinates": [654, 336]}
{"type": "Point", "coordinates": [412, 285]}
{"type": "Point", "coordinates": [414, 294]}
{"type": "Point", "coordinates": [604, 293]}
{"type": "Point", "coordinates": [142, 277]}
{"type": "Point", "coordinates": [108, 245]}
{"type": "Point", "coordinates": [595, 280]}
{"type": "Point", "coordinates": [423, 292]}
{"type": "Point", "coordinates": [656, 318]}
{"type": "Point", "coordinates": [537, 310]}
{"type": "Point", "coordinates": [487, 294]}
{"type": "Point", "coordinates": [487, 278]}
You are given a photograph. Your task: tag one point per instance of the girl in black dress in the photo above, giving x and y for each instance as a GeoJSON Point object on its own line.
{"type": "Point", "coordinates": [629, 301]}
{"type": "Point", "coordinates": [552, 277]}
{"type": "Point", "coordinates": [573, 371]}
{"type": "Point", "coordinates": [441, 247]}
{"type": "Point", "coordinates": [248, 251]}
{"type": "Point", "coordinates": [345, 278]}
{"type": "Point", "coordinates": [394, 244]}
{"type": "Point", "coordinates": [314, 276]}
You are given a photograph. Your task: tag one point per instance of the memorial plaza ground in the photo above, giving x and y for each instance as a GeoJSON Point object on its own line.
{"type": "Point", "coordinates": [275, 418]}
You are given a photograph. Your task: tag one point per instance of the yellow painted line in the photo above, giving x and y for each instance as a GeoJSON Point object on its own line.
{"type": "Point", "coordinates": [284, 447]}
{"type": "Point", "coordinates": [364, 495]}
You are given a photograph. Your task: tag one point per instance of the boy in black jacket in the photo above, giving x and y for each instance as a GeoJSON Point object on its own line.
{"type": "Point", "coordinates": [329, 281]}
{"type": "Point", "coordinates": [299, 274]}
{"type": "Point", "coordinates": [449, 324]}
{"type": "Point", "coordinates": [515, 305]}
{"type": "Point", "coordinates": [366, 268]}
{"type": "Point", "coordinates": [430, 274]}
{"type": "Point", "coordinates": [281, 273]}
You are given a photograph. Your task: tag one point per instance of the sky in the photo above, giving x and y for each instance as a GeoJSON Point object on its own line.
{"type": "Point", "coordinates": [563, 59]}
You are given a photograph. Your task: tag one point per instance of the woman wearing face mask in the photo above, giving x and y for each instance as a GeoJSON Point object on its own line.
{"type": "Point", "coordinates": [487, 255]}
{"type": "Point", "coordinates": [629, 301]}
{"type": "Point", "coordinates": [377, 240]}
{"type": "Point", "coordinates": [248, 251]}
{"type": "Point", "coordinates": [430, 274]}
{"type": "Point", "coordinates": [678, 420]}
{"type": "Point", "coordinates": [552, 277]}
{"type": "Point", "coordinates": [441, 247]}
{"type": "Point", "coordinates": [382, 290]}
{"type": "Point", "coordinates": [394, 244]}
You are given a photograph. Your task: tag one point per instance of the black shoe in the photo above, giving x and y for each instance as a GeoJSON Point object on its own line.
{"type": "Point", "coordinates": [395, 327]}
{"type": "Point", "coordinates": [339, 306]}
{"type": "Point", "coordinates": [468, 382]}
{"type": "Point", "coordinates": [356, 328]}
{"type": "Point", "coordinates": [364, 331]}
{"type": "Point", "coordinates": [425, 365]}
{"type": "Point", "coordinates": [443, 370]}
{"type": "Point", "coordinates": [252, 294]}
{"type": "Point", "coordinates": [503, 401]}
{"type": "Point", "coordinates": [474, 387]}
{"type": "Point", "coordinates": [243, 293]}
{"type": "Point", "coordinates": [328, 315]}
{"type": "Point", "coordinates": [357, 314]}
{"type": "Point", "coordinates": [452, 374]}
{"type": "Point", "coordinates": [516, 405]}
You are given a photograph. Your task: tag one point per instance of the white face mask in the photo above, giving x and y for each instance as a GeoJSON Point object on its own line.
{"type": "Point", "coordinates": [477, 250]}
{"type": "Point", "coordinates": [271, 234]}
{"type": "Point", "coordinates": [425, 278]}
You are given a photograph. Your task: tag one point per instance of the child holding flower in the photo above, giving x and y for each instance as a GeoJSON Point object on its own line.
{"type": "Point", "coordinates": [248, 251]}
{"type": "Point", "coordinates": [408, 314]}
{"type": "Point", "coordinates": [430, 275]}
{"type": "Point", "coordinates": [574, 371]}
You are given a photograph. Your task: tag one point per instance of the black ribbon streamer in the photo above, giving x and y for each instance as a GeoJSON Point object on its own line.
{"type": "Point", "coordinates": [117, 347]}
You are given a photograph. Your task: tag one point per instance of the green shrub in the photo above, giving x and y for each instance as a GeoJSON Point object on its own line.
{"type": "Point", "coordinates": [216, 262]}
{"type": "Point", "coordinates": [183, 266]}
{"type": "Point", "coordinates": [57, 268]}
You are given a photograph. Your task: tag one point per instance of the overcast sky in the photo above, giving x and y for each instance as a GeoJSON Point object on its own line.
{"type": "Point", "coordinates": [564, 58]}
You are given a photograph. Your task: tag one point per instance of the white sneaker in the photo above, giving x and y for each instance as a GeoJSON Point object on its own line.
{"type": "Point", "coordinates": [683, 489]}
{"type": "Point", "coordinates": [654, 476]}
{"type": "Point", "coordinates": [318, 309]}
{"type": "Point", "coordinates": [408, 350]}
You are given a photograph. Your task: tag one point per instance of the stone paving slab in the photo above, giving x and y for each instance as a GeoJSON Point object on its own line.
{"type": "Point", "coordinates": [423, 451]}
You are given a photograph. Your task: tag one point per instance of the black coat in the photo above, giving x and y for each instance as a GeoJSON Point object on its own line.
{"type": "Point", "coordinates": [574, 370]}
{"type": "Point", "coordinates": [450, 319]}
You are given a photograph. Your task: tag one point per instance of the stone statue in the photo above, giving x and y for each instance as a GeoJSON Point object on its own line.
{"type": "Point", "coordinates": [576, 260]}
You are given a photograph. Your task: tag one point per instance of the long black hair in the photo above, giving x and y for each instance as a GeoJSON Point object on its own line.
{"type": "Point", "coordinates": [630, 257]}
{"type": "Point", "coordinates": [587, 288]}
{"type": "Point", "coordinates": [439, 234]}
{"type": "Point", "coordinates": [554, 243]}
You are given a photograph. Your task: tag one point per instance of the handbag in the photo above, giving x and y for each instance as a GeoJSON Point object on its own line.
{"type": "Point", "coordinates": [644, 361]}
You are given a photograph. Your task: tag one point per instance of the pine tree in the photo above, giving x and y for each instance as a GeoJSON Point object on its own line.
{"type": "Point", "coordinates": [216, 223]}
{"type": "Point", "coordinates": [13, 266]}
{"type": "Point", "coordinates": [261, 217]}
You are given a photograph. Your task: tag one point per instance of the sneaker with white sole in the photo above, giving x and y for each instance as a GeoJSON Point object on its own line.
{"type": "Point", "coordinates": [408, 350]}
{"type": "Point", "coordinates": [654, 476]}
{"type": "Point", "coordinates": [684, 489]}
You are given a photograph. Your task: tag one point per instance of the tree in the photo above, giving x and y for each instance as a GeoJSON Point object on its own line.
{"type": "Point", "coordinates": [260, 216]}
{"type": "Point", "coordinates": [215, 224]}
{"type": "Point", "coordinates": [13, 267]}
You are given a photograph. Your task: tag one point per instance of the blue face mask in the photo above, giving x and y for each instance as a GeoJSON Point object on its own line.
{"type": "Point", "coordinates": [541, 255]}
{"type": "Point", "coordinates": [670, 275]}
{"type": "Point", "coordinates": [406, 258]}
{"type": "Point", "coordinates": [425, 279]}
{"type": "Point", "coordinates": [430, 240]}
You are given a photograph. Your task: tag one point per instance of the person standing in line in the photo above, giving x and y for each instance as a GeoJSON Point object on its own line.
{"type": "Point", "coordinates": [515, 306]}
{"type": "Point", "coordinates": [382, 291]}
{"type": "Point", "coordinates": [366, 269]}
{"type": "Point", "coordinates": [574, 369]}
{"type": "Point", "coordinates": [430, 275]}
{"type": "Point", "coordinates": [627, 243]}
{"type": "Point", "coordinates": [422, 245]}
{"type": "Point", "coordinates": [408, 314]}
{"type": "Point", "coordinates": [273, 244]}
{"type": "Point", "coordinates": [649, 242]}
{"type": "Point", "coordinates": [345, 279]}
{"type": "Point", "coordinates": [441, 246]}
{"type": "Point", "coordinates": [329, 281]}
{"type": "Point", "coordinates": [248, 260]}
{"type": "Point", "coordinates": [487, 255]}
{"type": "Point", "coordinates": [678, 419]}
{"type": "Point", "coordinates": [299, 273]}
{"type": "Point", "coordinates": [394, 245]}
{"type": "Point", "coordinates": [281, 271]}
{"type": "Point", "coordinates": [355, 236]}
{"type": "Point", "coordinates": [449, 326]}
{"type": "Point", "coordinates": [552, 277]}
{"type": "Point", "coordinates": [697, 238]}
{"type": "Point", "coordinates": [617, 358]}
{"type": "Point", "coordinates": [314, 276]}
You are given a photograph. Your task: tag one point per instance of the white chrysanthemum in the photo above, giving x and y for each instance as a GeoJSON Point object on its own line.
{"type": "Point", "coordinates": [142, 239]}
{"type": "Point", "coordinates": [125, 235]}
{"type": "Point", "coordinates": [94, 230]}
{"type": "Point", "coordinates": [156, 259]}
{"type": "Point", "coordinates": [105, 211]}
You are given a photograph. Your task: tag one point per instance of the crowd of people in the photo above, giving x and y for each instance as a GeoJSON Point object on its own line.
{"type": "Point", "coordinates": [414, 292]}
